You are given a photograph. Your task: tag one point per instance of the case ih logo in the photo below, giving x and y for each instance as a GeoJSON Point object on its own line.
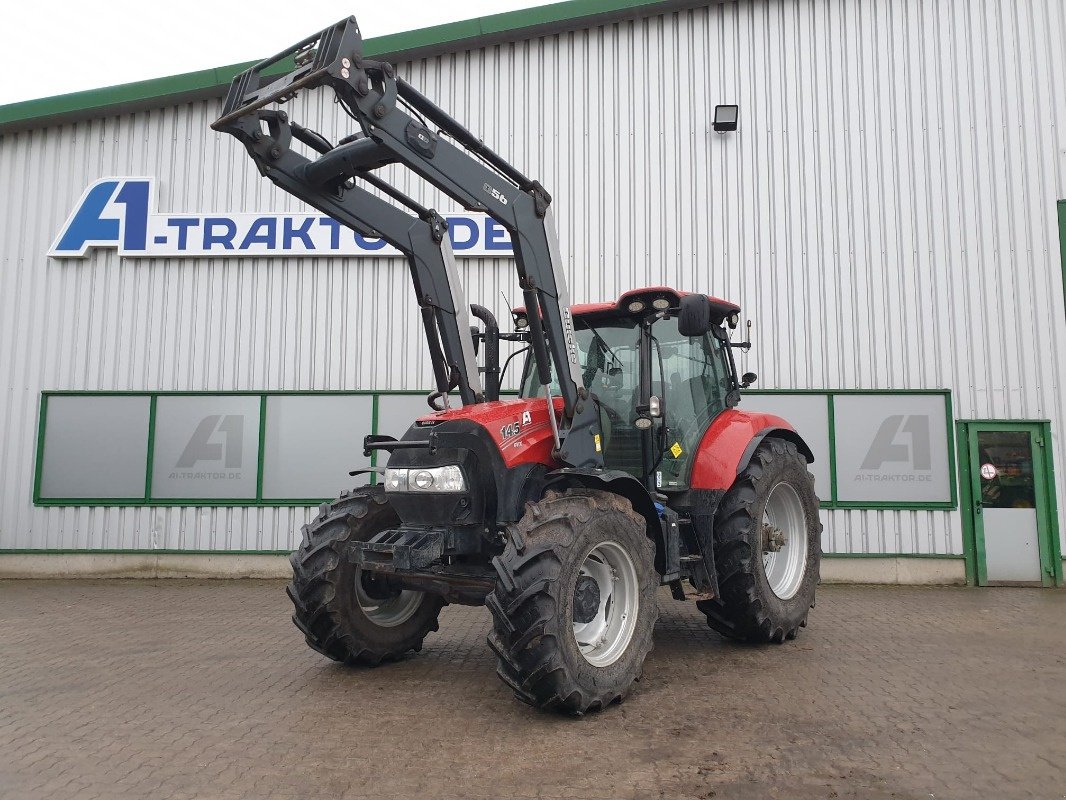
{"type": "Point", "coordinates": [902, 440]}
{"type": "Point", "coordinates": [121, 213]}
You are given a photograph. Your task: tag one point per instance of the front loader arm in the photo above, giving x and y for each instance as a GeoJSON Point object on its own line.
{"type": "Point", "coordinates": [421, 237]}
{"type": "Point", "coordinates": [397, 124]}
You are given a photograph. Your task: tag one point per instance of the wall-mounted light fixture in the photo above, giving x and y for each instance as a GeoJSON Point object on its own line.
{"type": "Point", "coordinates": [725, 118]}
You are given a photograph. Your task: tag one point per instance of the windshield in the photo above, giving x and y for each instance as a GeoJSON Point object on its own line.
{"type": "Point", "coordinates": [691, 375]}
{"type": "Point", "coordinates": [608, 353]}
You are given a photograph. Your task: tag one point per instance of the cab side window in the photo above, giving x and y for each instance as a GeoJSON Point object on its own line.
{"type": "Point", "coordinates": [697, 383]}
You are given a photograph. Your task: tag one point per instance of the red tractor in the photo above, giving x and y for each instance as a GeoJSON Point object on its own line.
{"type": "Point", "coordinates": [623, 465]}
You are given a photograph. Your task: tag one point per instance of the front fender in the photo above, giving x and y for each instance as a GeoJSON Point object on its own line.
{"type": "Point", "coordinates": [730, 442]}
{"type": "Point", "coordinates": [616, 482]}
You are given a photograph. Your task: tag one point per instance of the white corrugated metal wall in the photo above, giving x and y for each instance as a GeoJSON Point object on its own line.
{"type": "Point", "coordinates": [885, 214]}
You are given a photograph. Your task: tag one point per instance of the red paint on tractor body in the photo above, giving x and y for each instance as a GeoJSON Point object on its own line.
{"type": "Point", "coordinates": [723, 445]}
{"type": "Point", "coordinates": [520, 427]}
{"type": "Point", "coordinates": [522, 431]}
{"type": "Point", "coordinates": [647, 294]}
{"type": "Point", "coordinates": [528, 439]}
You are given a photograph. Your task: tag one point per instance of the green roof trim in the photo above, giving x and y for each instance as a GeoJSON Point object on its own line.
{"type": "Point", "coordinates": [94, 101]}
{"type": "Point", "coordinates": [450, 37]}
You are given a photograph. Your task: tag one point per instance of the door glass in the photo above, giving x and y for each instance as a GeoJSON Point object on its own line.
{"type": "Point", "coordinates": [1007, 510]}
{"type": "Point", "coordinates": [1006, 469]}
{"type": "Point", "coordinates": [695, 383]}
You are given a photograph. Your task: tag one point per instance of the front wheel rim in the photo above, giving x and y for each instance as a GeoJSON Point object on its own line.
{"type": "Point", "coordinates": [390, 611]}
{"type": "Point", "coordinates": [784, 541]}
{"type": "Point", "coordinates": [604, 638]}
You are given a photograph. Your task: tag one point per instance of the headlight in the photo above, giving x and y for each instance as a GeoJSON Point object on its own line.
{"type": "Point", "coordinates": [425, 479]}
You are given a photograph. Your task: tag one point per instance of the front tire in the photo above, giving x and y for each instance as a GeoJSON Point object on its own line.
{"type": "Point", "coordinates": [767, 548]}
{"type": "Point", "coordinates": [574, 605]}
{"type": "Point", "coordinates": [344, 614]}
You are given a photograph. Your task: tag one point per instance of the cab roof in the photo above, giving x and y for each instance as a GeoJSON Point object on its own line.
{"type": "Point", "coordinates": [648, 295]}
{"type": "Point", "coordinates": [720, 308]}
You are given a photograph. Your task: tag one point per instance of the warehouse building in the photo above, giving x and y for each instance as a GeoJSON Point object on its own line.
{"type": "Point", "coordinates": [190, 358]}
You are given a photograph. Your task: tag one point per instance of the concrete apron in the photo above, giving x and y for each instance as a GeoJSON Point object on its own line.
{"type": "Point", "coordinates": [144, 565]}
{"type": "Point", "coordinates": [889, 570]}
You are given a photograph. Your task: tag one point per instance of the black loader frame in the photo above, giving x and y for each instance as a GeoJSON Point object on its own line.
{"type": "Point", "coordinates": [395, 120]}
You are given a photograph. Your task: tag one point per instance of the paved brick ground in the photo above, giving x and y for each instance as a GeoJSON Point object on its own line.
{"type": "Point", "coordinates": [183, 689]}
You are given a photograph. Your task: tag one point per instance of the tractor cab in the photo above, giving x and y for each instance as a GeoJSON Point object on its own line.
{"type": "Point", "coordinates": [658, 388]}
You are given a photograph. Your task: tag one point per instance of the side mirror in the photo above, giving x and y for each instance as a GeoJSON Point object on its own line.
{"type": "Point", "coordinates": [747, 379]}
{"type": "Point", "coordinates": [694, 318]}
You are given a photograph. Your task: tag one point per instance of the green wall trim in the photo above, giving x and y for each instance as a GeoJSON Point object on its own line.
{"type": "Point", "coordinates": [832, 422]}
{"type": "Point", "coordinates": [375, 410]}
{"type": "Point", "coordinates": [152, 404]}
{"type": "Point", "coordinates": [450, 37]}
{"type": "Point", "coordinates": [74, 551]}
{"type": "Point", "coordinates": [22, 551]}
{"type": "Point", "coordinates": [871, 505]}
{"type": "Point", "coordinates": [832, 503]}
{"type": "Point", "coordinates": [1053, 507]}
{"type": "Point", "coordinates": [941, 556]}
{"type": "Point", "coordinates": [262, 444]}
{"type": "Point", "coordinates": [952, 463]}
{"type": "Point", "coordinates": [988, 421]}
{"type": "Point", "coordinates": [226, 392]}
{"type": "Point", "coordinates": [42, 413]}
{"type": "Point", "coordinates": [846, 391]}
{"type": "Point", "coordinates": [966, 501]}
{"type": "Point", "coordinates": [176, 502]}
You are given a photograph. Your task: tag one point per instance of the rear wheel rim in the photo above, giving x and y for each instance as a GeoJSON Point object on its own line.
{"type": "Point", "coordinates": [784, 541]}
{"type": "Point", "coordinates": [390, 611]}
{"type": "Point", "coordinates": [605, 638]}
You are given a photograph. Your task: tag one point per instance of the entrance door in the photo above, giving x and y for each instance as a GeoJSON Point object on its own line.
{"type": "Point", "coordinates": [1011, 506]}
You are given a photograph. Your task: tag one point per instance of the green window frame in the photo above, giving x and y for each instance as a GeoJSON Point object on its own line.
{"type": "Point", "coordinates": [833, 502]}
{"type": "Point", "coordinates": [147, 499]}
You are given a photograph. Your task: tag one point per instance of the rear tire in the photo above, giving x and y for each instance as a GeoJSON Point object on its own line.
{"type": "Point", "coordinates": [578, 564]}
{"type": "Point", "coordinates": [342, 614]}
{"type": "Point", "coordinates": [767, 548]}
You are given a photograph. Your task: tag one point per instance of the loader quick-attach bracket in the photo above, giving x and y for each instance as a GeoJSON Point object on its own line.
{"type": "Point", "coordinates": [400, 125]}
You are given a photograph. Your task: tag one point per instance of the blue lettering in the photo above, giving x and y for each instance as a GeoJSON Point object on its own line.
{"type": "Point", "coordinates": [495, 236]}
{"type": "Point", "coordinates": [229, 230]}
{"type": "Point", "coordinates": [472, 232]}
{"type": "Point", "coordinates": [334, 231]}
{"type": "Point", "coordinates": [183, 226]}
{"type": "Point", "coordinates": [301, 232]}
{"type": "Point", "coordinates": [86, 225]}
{"type": "Point", "coordinates": [134, 196]}
{"type": "Point", "coordinates": [369, 244]}
{"type": "Point", "coordinates": [263, 231]}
